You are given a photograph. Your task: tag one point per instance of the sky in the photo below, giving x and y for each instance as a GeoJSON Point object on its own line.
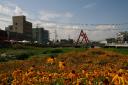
{"type": "Point", "coordinates": [68, 17]}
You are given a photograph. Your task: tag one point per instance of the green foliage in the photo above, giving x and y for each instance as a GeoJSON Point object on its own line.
{"type": "Point", "coordinates": [103, 62]}
{"type": "Point", "coordinates": [15, 56]}
{"type": "Point", "coordinates": [119, 50]}
{"type": "Point", "coordinates": [57, 51]}
{"type": "Point", "coordinates": [125, 63]}
{"type": "Point", "coordinates": [58, 81]}
{"type": "Point", "coordinates": [23, 56]}
{"type": "Point", "coordinates": [95, 53]}
{"type": "Point", "coordinates": [9, 80]}
{"type": "Point", "coordinates": [83, 81]}
{"type": "Point", "coordinates": [77, 61]}
{"type": "Point", "coordinates": [19, 53]}
{"type": "Point", "coordinates": [52, 52]}
{"type": "Point", "coordinates": [46, 52]}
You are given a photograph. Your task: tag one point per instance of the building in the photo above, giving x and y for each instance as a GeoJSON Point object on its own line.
{"type": "Point", "coordinates": [3, 35]}
{"type": "Point", "coordinates": [40, 35]}
{"type": "Point", "coordinates": [111, 40]}
{"type": "Point", "coordinates": [120, 38]}
{"type": "Point", "coordinates": [9, 28]}
{"type": "Point", "coordinates": [21, 27]}
{"type": "Point", "coordinates": [64, 41]}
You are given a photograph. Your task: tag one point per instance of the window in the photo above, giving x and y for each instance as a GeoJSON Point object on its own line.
{"type": "Point", "coordinates": [11, 28]}
{"type": "Point", "coordinates": [16, 23]}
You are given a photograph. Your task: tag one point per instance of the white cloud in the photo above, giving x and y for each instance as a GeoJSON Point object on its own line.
{"type": "Point", "coordinates": [68, 14]}
{"type": "Point", "coordinates": [52, 15]}
{"type": "Point", "coordinates": [19, 11]}
{"type": "Point", "coordinates": [105, 27]}
{"type": "Point", "coordinates": [89, 5]}
{"type": "Point", "coordinates": [63, 30]}
{"type": "Point", "coordinates": [7, 10]}
{"type": "Point", "coordinates": [4, 17]}
{"type": "Point", "coordinates": [97, 32]}
{"type": "Point", "coordinates": [11, 10]}
{"type": "Point", "coordinates": [101, 35]}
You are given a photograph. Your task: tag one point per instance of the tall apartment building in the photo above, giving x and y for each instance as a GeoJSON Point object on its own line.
{"type": "Point", "coordinates": [21, 26]}
{"type": "Point", "coordinates": [40, 35]}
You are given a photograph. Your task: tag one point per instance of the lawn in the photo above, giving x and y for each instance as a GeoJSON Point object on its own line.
{"type": "Point", "coordinates": [118, 50]}
{"type": "Point", "coordinates": [7, 54]}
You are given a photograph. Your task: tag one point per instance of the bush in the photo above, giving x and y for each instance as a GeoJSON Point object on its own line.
{"type": "Point", "coordinates": [125, 64]}
{"type": "Point", "coordinates": [103, 62]}
{"type": "Point", "coordinates": [20, 56]}
{"type": "Point", "coordinates": [53, 51]}
{"type": "Point", "coordinates": [23, 56]}
{"type": "Point", "coordinates": [95, 52]}
{"type": "Point", "coordinates": [58, 81]}
{"type": "Point", "coordinates": [46, 52]}
{"type": "Point", "coordinates": [57, 51]}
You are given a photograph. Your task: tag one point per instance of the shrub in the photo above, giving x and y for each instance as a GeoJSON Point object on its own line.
{"type": "Point", "coordinates": [19, 56]}
{"type": "Point", "coordinates": [46, 52]}
{"type": "Point", "coordinates": [23, 56]}
{"type": "Point", "coordinates": [103, 62]}
{"type": "Point", "coordinates": [57, 51]}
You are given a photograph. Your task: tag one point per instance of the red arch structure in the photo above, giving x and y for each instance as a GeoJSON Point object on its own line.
{"type": "Point", "coordinates": [84, 37]}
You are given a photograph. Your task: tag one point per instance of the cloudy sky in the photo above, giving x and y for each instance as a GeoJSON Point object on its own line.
{"type": "Point", "coordinates": [98, 18]}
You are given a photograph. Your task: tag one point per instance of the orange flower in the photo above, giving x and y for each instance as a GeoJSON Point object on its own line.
{"type": "Point", "coordinates": [61, 65]}
{"type": "Point", "coordinates": [72, 75]}
{"type": "Point", "coordinates": [51, 60]}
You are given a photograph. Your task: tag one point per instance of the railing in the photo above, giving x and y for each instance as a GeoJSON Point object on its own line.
{"type": "Point", "coordinates": [124, 45]}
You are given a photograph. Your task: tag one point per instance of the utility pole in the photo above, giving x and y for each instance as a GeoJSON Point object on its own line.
{"type": "Point", "coordinates": [37, 32]}
{"type": "Point", "coordinates": [68, 37]}
{"type": "Point", "coordinates": [8, 35]}
{"type": "Point", "coordinates": [56, 36]}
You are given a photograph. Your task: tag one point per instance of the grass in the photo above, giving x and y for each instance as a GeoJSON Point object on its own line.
{"type": "Point", "coordinates": [24, 53]}
{"type": "Point", "coordinates": [118, 50]}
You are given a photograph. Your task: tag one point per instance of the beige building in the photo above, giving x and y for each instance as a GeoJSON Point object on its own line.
{"type": "Point", "coordinates": [21, 26]}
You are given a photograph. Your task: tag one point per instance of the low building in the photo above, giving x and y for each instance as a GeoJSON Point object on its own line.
{"type": "Point", "coordinates": [3, 35]}
{"type": "Point", "coordinates": [65, 41]}
{"type": "Point", "coordinates": [9, 28]}
{"type": "Point", "coordinates": [111, 40]}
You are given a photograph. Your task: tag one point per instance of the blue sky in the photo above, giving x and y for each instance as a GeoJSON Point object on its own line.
{"type": "Point", "coordinates": [56, 12]}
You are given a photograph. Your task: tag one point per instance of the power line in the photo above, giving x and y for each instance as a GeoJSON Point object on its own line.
{"type": "Point", "coordinates": [79, 26]}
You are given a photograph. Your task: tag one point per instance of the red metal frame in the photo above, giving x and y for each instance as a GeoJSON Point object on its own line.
{"type": "Point", "coordinates": [84, 36]}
